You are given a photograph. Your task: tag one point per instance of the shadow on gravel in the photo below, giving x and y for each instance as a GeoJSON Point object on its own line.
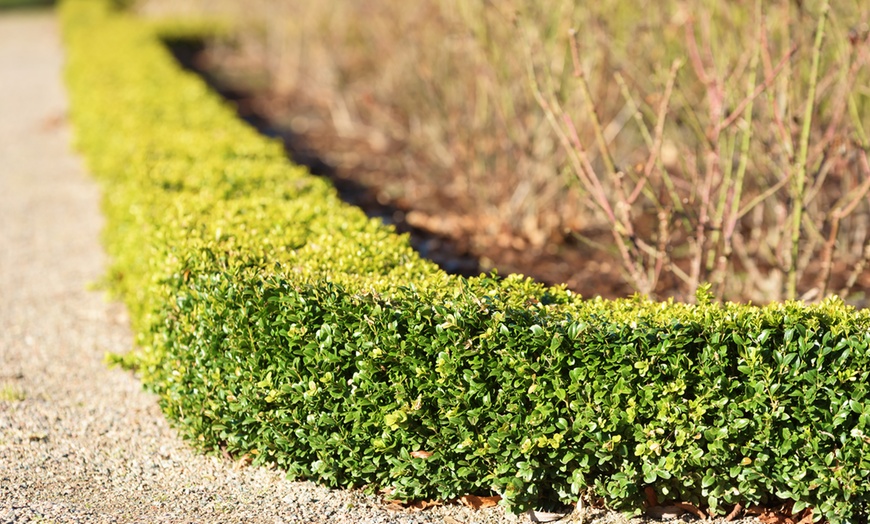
{"type": "Point", "coordinates": [437, 248]}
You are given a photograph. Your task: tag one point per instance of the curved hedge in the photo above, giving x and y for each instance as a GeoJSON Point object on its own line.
{"type": "Point", "coordinates": [276, 321]}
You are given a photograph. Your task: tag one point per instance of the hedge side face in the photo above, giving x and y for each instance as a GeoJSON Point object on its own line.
{"type": "Point", "coordinates": [274, 320]}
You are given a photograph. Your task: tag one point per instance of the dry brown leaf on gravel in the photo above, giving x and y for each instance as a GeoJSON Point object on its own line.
{"type": "Point", "coordinates": [735, 513]}
{"type": "Point", "coordinates": [782, 515]}
{"type": "Point", "coordinates": [243, 461]}
{"type": "Point", "coordinates": [475, 502]}
{"type": "Point", "coordinates": [545, 516]}
{"type": "Point", "coordinates": [772, 517]}
{"type": "Point", "coordinates": [420, 505]}
{"type": "Point", "coordinates": [414, 505]}
{"type": "Point", "coordinates": [393, 505]}
{"type": "Point", "coordinates": [807, 516]}
{"type": "Point", "coordinates": [691, 508]}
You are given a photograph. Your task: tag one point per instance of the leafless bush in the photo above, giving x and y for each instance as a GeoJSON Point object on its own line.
{"type": "Point", "coordinates": [769, 158]}
{"type": "Point", "coordinates": [720, 142]}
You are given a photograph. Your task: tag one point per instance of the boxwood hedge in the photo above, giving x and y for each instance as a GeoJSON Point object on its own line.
{"type": "Point", "coordinates": [275, 321]}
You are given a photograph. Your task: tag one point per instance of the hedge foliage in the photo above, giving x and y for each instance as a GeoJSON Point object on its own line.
{"type": "Point", "coordinates": [276, 321]}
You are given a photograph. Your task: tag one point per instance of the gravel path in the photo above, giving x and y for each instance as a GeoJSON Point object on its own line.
{"type": "Point", "coordinates": [80, 442]}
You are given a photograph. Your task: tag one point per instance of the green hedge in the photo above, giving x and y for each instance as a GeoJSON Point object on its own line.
{"type": "Point", "coordinates": [276, 321]}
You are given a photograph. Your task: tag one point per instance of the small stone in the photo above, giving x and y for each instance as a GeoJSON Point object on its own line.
{"type": "Point", "coordinates": [665, 512]}
{"type": "Point", "coordinates": [545, 516]}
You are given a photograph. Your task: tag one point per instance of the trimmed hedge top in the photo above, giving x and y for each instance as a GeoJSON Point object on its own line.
{"type": "Point", "coordinates": [276, 321]}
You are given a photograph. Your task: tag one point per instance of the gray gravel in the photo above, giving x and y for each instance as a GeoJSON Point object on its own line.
{"type": "Point", "coordinates": [80, 442]}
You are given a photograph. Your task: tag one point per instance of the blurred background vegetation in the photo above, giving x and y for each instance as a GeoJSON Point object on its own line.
{"type": "Point", "coordinates": [668, 143]}
{"type": "Point", "coordinates": [25, 4]}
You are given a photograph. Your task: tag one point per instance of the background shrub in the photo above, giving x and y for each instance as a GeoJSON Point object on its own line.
{"type": "Point", "coordinates": [677, 144]}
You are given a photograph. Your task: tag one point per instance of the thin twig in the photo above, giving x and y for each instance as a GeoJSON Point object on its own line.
{"type": "Point", "coordinates": [839, 212]}
{"type": "Point", "coordinates": [650, 142]}
{"type": "Point", "coordinates": [785, 135]}
{"type": "Point", "coordinates": [585, 172]}
{"type": "Point", "coordinates": [763, 196]}
{"type": "Point", "coordinates": [801, 168]}
{"type": "Point", "coordinates": [758, 90]}
{"type": "Point", "coordinates": [736, 190]}
{"type": "Point", "coordinates": [591, 111]}
{"type": "Point", "coordinates": [857, 271]}
{"type": "Point", "coordinates": [655, 149]}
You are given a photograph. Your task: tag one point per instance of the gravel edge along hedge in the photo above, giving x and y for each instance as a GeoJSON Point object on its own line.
{"type": "Point", "coordinates": [276, 322]}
